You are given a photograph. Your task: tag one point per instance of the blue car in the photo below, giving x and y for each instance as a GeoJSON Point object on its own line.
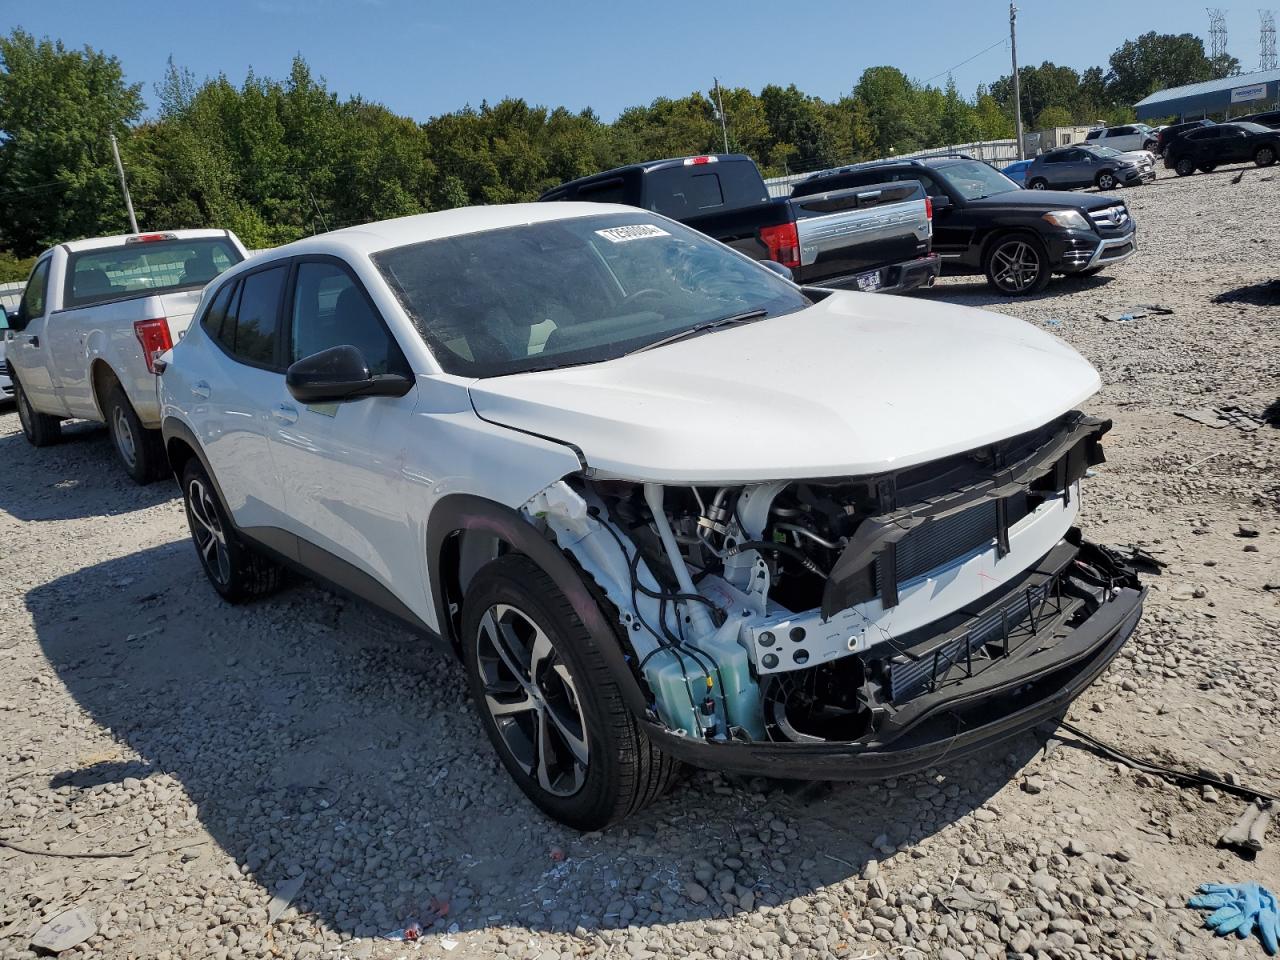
{"type": "Point", "coordinates": [1017, 172]}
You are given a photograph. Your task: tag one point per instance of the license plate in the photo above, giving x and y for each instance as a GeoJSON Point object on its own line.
{"type": "Point", "coordinates": [868, 281]}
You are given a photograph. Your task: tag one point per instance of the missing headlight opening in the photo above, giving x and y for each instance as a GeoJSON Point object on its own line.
{"type": "Point", "coordinates": [860, 610]}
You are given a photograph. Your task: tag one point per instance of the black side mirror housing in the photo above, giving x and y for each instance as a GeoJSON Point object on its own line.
{"type": "Point", "coordinates": [13, 321]}
{"type": "Point", "coordinates": [341, 373]}
{"type": "Point", "coordinates": [941, 202]}
{"type": "Point", "coordinates": [781, 269]}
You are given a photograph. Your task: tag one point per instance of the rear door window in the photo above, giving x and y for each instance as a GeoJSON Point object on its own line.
{"type": "Point", "coordinates": [687, 191]}
{"type": "Point", "coordinates": [257, 315]}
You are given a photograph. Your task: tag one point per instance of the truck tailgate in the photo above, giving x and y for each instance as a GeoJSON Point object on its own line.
{"type": "Point", "coordinates": [849, 231]}
{"type": "Point", "coordinates": [179, 307]}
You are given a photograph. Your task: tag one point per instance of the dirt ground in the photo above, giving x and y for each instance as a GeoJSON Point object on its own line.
{"type": "Point", "coordinates": [306, 743]}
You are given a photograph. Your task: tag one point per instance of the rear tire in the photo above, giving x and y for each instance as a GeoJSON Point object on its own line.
{"type": "Point", "coordinates": [40, 429]}
{"type": "Point", "coordinates": [549, 703]}
{"type": "Point", "coordinates": [1264, 156]}
{"type": "Point", "coordinates": [236, 572]}
{"type": "Point", "coordinates": [140, 450]}
{"type": "Point", "coordinates": [1184, 168]}
{"type": "Point", "coordinates": [1017, 265]}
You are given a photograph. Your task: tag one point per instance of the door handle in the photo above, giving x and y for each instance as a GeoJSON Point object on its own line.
{"type": "Point", "coordinates": [285, 413]}
{"type": "Point", "coordinates": [200, 390]}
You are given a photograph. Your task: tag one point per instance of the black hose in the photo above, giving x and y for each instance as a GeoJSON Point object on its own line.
{"type": "Point", "coordinates": [794, 552]}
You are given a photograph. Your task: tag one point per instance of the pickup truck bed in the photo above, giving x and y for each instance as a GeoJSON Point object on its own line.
{"type": "Point", "coordinates": [873, 238]}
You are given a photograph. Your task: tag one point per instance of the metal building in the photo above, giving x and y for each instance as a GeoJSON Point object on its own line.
{"type": "Point", "coordinates": [1249, 93]}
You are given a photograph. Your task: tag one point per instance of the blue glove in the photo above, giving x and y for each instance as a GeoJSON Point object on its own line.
{"type": "Point", "coordinates": [1240, 908]}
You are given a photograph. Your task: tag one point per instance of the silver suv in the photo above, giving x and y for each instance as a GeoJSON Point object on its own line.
{"type": "Point", "coordinates": [1086, 166]}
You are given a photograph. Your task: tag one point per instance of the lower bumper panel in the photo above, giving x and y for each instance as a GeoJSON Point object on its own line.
{"type": "Point", "coordinates": [996, 706]}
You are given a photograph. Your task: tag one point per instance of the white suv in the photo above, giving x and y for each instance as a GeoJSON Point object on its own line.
{"type": "Point", "coordinates": [664, 504]}
{"type": "Point", "coordinates": [1133, 136]}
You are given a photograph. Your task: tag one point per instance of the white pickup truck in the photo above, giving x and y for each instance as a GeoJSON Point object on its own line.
{"type": "Point", "coordinates": [94, 315]}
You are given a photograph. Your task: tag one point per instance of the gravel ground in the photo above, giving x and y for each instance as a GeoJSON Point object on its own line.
{"type": "Point", "coordinates": [231, 752]}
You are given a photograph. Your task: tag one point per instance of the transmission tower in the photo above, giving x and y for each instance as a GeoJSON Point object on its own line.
{"type": "Point", "coordinates": [1217, 33]}
{"type": "Point", "coordinates": [1267, 40]}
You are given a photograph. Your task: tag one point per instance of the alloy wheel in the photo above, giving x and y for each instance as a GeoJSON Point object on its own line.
{"type": "Point", "coordinates": [122, 433]}
{"type": "Point", "coordinates": [1015, 266]}
{"type": "Point", "coordinates": [532, 699]}
{"type": "Point", "coordinates": [1106, 181]}
{"type": "Point", "coordinates": [206, 529]}
{"type": "Point", "coordinates": [1266, 157]}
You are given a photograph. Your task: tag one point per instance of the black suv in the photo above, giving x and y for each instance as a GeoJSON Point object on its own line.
{"type": "Point", "coordinates": [985, 223]}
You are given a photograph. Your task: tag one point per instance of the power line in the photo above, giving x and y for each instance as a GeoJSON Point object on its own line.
{"type": "Point", "coordinates": [999, 43]}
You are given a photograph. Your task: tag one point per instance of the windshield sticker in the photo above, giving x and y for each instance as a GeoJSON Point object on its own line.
{"type": "Point", "coordinates": [637, 232]}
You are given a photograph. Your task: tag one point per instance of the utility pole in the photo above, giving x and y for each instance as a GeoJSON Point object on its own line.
{"type": "Point", "coordinates": [1267, 40]}
{"type": "Point", "coordinates": [124, 185]}
{"type": "Point", "coordinates": [1017, 84]}
{"type": "Point", "coordinates": [724, 129]}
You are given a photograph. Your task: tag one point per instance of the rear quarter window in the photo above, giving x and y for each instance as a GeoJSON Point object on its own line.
{"type": "Point", "coordinates": [688, 191]}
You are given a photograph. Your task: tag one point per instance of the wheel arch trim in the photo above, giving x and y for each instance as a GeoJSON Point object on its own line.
{"type": "Point", "coordinates": [462, 513]}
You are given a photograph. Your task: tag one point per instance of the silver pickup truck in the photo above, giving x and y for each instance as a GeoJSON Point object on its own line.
{"type": "Point", "coordinates": [876, 237]}
{"type": "Point", "coordinates": [93, 317]}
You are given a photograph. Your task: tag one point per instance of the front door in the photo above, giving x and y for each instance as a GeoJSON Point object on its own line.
{"type": "Point", "coordinates": [28, 349]}
{"type": "Point", "coordinates": [341, 463]}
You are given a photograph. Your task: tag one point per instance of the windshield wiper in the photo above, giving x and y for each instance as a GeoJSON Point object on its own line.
{"type": "Point", "coordinates": [698, 328]}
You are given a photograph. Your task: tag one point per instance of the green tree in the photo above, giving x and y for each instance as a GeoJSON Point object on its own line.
{"type": "Point", "coordinates": [887, 95]}
{"type": "Point", "coordinates": [1156, 61]}
{"type": "Point", "coordinates": [1051, 117]}
{"type": "Point", "coordinates": [58, 109]}
{"type": "Point", "coordinates": [958, 123]}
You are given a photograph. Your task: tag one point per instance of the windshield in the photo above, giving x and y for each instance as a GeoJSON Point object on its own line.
{"type": "Point", "coordinates": [136, 268]}
{"type": "Point", "coordinates": [973, 179]}
{"type": "Point", "coordinates": [1107, 152]}
{"type": "Point", "coordinates": [564, 292]}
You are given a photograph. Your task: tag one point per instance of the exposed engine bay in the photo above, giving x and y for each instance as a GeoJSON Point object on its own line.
{"type": "Point", "coordinates": [843, 609]}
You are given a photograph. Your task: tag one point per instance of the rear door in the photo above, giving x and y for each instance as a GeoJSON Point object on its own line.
{"type": "Point", "coordinates": [28, 350]}
{"type": "Point", "coordinates": [243, 380]}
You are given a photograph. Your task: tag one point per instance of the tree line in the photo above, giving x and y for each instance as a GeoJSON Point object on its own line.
{"type": "Point", "coordinates": [275, 160]}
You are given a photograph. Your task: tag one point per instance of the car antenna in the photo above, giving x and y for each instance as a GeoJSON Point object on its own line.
{"type": "Point", "coordinates": [323, 221]}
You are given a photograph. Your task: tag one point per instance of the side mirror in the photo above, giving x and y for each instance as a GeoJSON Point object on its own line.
{"type": "Point", "coordinates": [941, 202]}
{"type": "Point", "coordinates": [341, 373]}
{"type": "Point", "coordinates": [13, 321]}
{"type": "Point", "coordinates": [781, 269]}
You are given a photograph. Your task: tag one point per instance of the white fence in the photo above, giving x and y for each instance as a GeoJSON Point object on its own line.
{"type": "Point", "coordinates": [994, 151]}
{"type": "Point", "coordinates": [10, 294]}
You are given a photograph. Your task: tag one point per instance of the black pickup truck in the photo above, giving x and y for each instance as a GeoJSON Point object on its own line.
{"type": "Point", "coordinates": [876, 237]}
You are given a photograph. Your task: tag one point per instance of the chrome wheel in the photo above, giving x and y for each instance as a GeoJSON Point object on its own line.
{"type": "Point", "coordinates": [531, 696]}
{"type": "Point", "coordinates": [1106, 181]}
{"type": "Point", "coordinates": [122, 433]}
{"type": "Point", "coordinates": [1015, 266]}
{"type": "Point", "coordinates": [206, 530]}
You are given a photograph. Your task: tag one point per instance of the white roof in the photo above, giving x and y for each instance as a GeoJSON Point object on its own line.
{"type": "Point", "coordinates": [99, 243]}
{"type": "Point", "coordinates": [369, 238]}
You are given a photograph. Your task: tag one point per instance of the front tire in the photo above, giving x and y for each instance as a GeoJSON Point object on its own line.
{"type": "Point", "coordinates": [549, 703]}
{"type": "Point", "coordinates": [1185, 168]}
{"type": "Point", "coordinates": [1039, 184]}
{"type": "Point", "coordinates": [140, 450]}
{"type": "Point", "coordinates": [1106, 180]}
{"type": "Point", "coordinates": [236, 572]}
{"type": "Point", "coordinates": [40, 429]}
{"type": "Point", "coordinates": [1017, 265]}
{"type": "Point", "coordinates": [1265, 156]}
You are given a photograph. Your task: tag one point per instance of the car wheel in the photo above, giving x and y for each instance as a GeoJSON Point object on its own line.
{"type": "Point", "coordinates": [1039, 184]}
{"type": "Point", "coordinates": [139, 449]}
{"type": "Point", "coordinates": [236, 572]}
{"type": "Point", "coordinates": [1185, 167]}
{"type": "Point", "coordinates": [549, 703]}
{"type": "Point", "coordinates": [1106, 180]}
{"type": "Point", "coordinates": [40, 429]}
{"type": "Point", "coordinates": [1017, 265]}
{"type": "Point", "coordinates": [1265, 156]}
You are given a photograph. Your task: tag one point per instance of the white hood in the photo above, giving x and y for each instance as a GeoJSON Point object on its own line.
{"type": "Point", "coordinates": [856, 384]}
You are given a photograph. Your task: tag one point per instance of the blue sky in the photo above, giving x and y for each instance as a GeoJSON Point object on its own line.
{"type": "Point", "coordinates": [425, 58]}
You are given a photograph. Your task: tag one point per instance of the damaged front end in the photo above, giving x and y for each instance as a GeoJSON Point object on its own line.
{"type": "Point", "coordinates": [848, 627]}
